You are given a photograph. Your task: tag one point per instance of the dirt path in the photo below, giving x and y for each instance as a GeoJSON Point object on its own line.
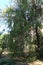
{"type": "Point", "coordinates": [32, 63]}
{"type": "Point", "coordinates": [36, 63]}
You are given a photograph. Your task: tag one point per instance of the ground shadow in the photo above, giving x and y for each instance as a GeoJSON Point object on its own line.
{"type": "Point", "coordinates": [21, 63]}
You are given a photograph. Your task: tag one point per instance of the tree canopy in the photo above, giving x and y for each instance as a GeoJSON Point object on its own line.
{"type": "Point", "coordinates": [24, 26]}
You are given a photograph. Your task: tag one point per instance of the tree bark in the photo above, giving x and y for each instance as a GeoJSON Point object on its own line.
{"type": "Point", "coordinates": [38, 42]}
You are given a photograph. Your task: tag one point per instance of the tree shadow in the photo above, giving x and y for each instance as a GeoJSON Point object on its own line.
{"type": "Point", "coordinates": [21, 63]}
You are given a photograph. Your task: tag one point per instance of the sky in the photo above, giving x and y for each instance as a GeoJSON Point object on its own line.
{"type": "Point", "coordinates": [4, 3]}
{"type": "Point", "coordinates": [3, 26]}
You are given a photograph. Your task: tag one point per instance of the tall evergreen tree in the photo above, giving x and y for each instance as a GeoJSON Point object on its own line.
{"type": "Point", "coordinates": [21, 21]}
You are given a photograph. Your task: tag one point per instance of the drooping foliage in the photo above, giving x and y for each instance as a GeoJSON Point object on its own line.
{"type": "Point", "coordinates": [24, 24]}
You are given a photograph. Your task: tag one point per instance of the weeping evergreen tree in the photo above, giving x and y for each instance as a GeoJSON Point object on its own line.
{"type": "Point", "coordinates": [19, 27]}
{"type": "Point", "coordinates": [21, 22]}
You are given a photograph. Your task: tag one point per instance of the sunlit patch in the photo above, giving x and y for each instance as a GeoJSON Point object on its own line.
{"type": "Point", "coordinates": [42, 23]}
{"type": "Point", "coordinates": [42, 30]}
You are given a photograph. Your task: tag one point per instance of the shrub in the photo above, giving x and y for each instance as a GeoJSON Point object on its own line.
{"type": "Point", "coordinates": [6, 62]}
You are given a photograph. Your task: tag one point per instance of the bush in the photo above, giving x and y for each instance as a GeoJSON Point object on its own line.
{"type": "Point", "coordinates": [6, 62]}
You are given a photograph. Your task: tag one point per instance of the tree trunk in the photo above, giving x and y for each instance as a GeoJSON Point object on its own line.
{"type": "Point", "coordinates": [38, 42]}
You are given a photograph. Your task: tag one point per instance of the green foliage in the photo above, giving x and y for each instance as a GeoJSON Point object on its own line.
{"type": "Point", "coordinates": [1, 50]}
{"type": "Point", "coordinates": [7, 62]}
{"type": "Point", "coordinates": [20, 34]}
